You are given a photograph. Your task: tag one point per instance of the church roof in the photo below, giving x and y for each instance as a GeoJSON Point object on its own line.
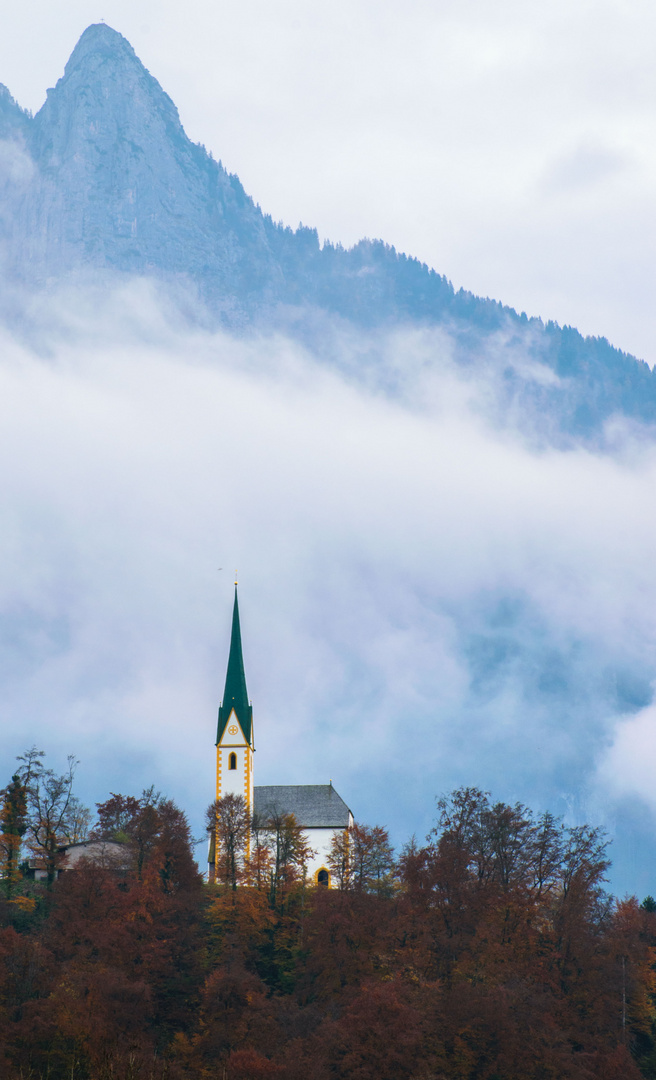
{"type": "Point", "coordinates": [313, 805]}
{"type": "Point", "coordinates": [235, 695]}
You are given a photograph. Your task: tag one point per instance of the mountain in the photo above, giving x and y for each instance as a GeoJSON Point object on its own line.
{"type": "Point", "coordinates": [104, 178]}
{"type": "Point", "coordinates": [119, 185]}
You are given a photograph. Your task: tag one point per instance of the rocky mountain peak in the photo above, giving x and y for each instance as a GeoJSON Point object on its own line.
{"type": "Point", "coordinates": [116, 184]}
{"type": "Point", "coordinates": [100, 39]}
{"type": "Point", "coordinates": [105, 92]}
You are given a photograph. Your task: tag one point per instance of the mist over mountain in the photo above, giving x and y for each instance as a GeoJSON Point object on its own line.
{"type": "Point", "coordinates": [104, 180]}
{"type": "Point", "coordinates": [441, 509]}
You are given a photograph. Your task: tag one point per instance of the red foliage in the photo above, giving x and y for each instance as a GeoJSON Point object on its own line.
{"type": "Point", "coordinates": [378, 1036]}
{"type": "Point", "coordinates": [490, 954]}
{"type": "Point", "coordinates": [247, 1064]}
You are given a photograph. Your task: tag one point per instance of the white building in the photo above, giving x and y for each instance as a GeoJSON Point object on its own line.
{"type": "Point", "coordinates": [317, 808]}
{"type": "Point", "coordinates": [108, 853]}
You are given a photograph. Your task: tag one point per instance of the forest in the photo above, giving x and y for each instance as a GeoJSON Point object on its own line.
{"type": "Point", "coordinates": [490, 951]}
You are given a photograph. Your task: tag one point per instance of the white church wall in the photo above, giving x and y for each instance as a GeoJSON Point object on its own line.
{"type": "Point", "coordinates": [320, 841]}
{"type": "Point", "coordinates": [232, 781]}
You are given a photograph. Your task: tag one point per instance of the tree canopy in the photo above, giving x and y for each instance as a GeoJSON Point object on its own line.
{"type": "Point", "coordinates": [490, 952]}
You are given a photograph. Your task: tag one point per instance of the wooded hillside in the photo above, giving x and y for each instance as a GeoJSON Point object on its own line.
{"type": "Point", "coordinates": [491, 952]}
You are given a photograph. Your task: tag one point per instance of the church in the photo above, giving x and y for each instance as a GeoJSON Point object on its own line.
{"type": "Point", "coordinates": [317, 808]}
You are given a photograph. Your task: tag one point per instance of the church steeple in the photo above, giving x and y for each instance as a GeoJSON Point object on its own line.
{"type": "Point", "coordinates": [234, 734]}
{"type": "Point", "coordinates": [235, 695]}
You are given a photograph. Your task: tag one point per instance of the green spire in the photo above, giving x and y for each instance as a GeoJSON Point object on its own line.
{"type": "Point", "coordinates": [235, 695]}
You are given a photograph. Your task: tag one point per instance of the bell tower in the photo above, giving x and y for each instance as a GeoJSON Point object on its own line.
{"type": "Point", "coordinates": [234, 734]}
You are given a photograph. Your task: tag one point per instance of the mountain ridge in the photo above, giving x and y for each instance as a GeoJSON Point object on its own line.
{"type": "Point", "coordinates": [112, 182]}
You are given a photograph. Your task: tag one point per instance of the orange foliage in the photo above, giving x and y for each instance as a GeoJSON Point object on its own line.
{"type": "Point", "coordinates": [492, 953]}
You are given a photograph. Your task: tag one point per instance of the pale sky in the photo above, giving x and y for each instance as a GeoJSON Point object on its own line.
{"type": "Point", "coordinates": [509, 145]}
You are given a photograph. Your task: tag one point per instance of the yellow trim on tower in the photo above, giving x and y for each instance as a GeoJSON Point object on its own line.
{"type": "Point", "coordinates": [247, 796]}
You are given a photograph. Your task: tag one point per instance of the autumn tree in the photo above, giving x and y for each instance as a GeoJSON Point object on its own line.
{"type": "Point", "coordinates": [173, 851]}
{"type": "Point", "coordinates": [117, 816]}
{"type": "Point", "coordinates": [127, 970]}
{"type": "Point", "coordinates": [13, 825]}
{"type": "Point", "coordinates": [132, 821]}
{"type": "Point", "coordinates": [236, 1017]}
{"type": "Point", "coordinates": [227, 823]}
{"type": "Point", "coordinates": [378, 1035]}
{"type": "Point", "coordinates": [362, 858]}
{"type": "Point", "coordinates": [507, 845]}
{"type": "Point", "coordinates": [340, 860]}
{"type": "Point", "coordinates": [290, 853]}
{"type": "Point", "coordinates": [260, 860]}
{"type": "Point", "coordinates": [156, 833]}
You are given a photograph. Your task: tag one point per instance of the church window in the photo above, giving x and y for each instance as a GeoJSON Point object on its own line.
{"type": "Point", "coordinates": [323, 877]}
{"type": "Point", "coordinates": [232, 761]}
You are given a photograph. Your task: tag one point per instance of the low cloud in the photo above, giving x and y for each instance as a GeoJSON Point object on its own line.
{"type": "Point", "coordinates": [627, 766]}
{"type": "Point", "coordinates": [16, 165]}
{"type": "Point", "coordinates": [427, 600]}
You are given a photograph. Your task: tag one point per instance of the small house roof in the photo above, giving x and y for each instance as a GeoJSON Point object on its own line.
{"type": "Point", "coordinates": [313, 805]}
{"type": "Point", "coordinates": [93, 842]}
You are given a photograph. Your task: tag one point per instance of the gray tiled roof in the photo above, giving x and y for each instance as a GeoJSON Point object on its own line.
{"type": "Point", "coordinates": [313, 805]}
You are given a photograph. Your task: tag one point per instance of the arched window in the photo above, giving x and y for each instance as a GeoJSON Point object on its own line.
{"type": "Point", "coordinates": [323, 877]}
{"type": "Point", "coordinates": [232, 761]}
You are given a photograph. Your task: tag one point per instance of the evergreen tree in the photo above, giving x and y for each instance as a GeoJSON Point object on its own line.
{"type": "Point", "coordinates": [13, 824]}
